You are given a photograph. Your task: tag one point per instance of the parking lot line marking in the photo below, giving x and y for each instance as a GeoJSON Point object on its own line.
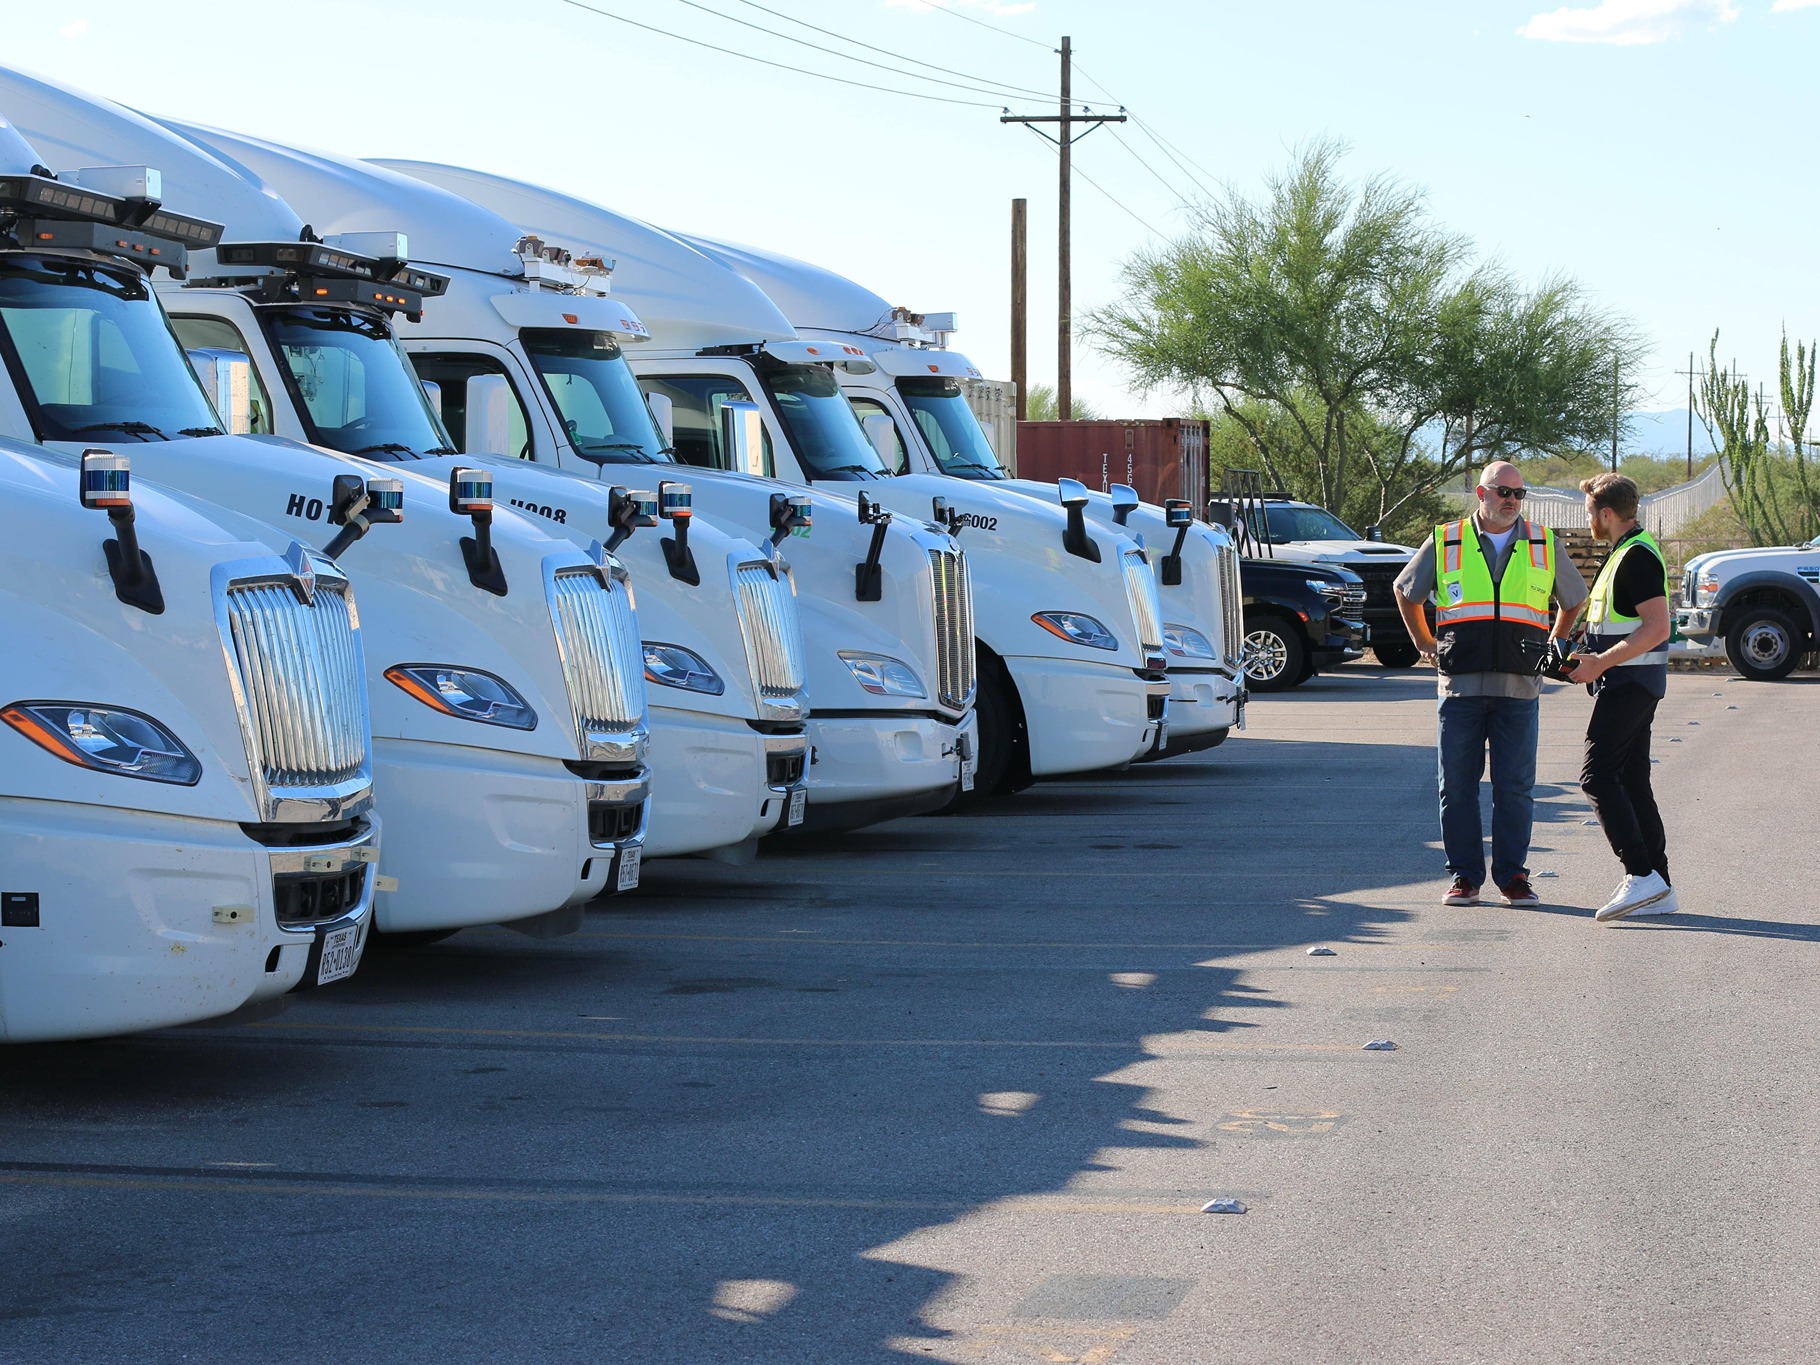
{"type": "Point", "coordinates": [940, 943]}
{"type": "Point", "coordinates": [1163, 1049]}
{"type": "Point", "coordinates": [188, 1180]}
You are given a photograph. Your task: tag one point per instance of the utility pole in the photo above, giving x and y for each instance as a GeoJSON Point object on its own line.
{"type": "Point", "coordinates": [1064, 294]}
{"type": "Point", "coordinates": [1020, 309]}
{"type": "Point", "coordinates": [1691, 374]}
{"type": "Point", "coordinates": [1616, 416]}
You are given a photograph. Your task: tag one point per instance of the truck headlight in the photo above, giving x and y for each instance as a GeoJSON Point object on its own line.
{"type": "Point", "coordinates": [674, 666]}
{"type": "Point", "coordinates": [883, 676]}
{"type": "Point", "coordinates": [1706, 592]}
{"type": "Point", "coordinates": [106, 739]}
{"type": "Point", "coordinates": [1333, 592]}
{"type": "Point", "coordinates": [1077, 628]}
{"type": "Point", "coordinates": [1186, 642]}
{"type": "Point", "coordinates": [466, 693]}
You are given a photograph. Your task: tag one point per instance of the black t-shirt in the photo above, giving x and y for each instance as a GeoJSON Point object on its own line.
{"type": "Point", "coordinates": [1639, 579]}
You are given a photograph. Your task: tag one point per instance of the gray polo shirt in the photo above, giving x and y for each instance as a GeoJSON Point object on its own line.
{"type": "Point", "coordinates": [1417, 583]}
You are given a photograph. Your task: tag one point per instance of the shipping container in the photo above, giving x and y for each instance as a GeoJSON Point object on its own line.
{"type": "Point", "coordinates": [994, 404]}
{"type": "Point", "coordinates": [1160, 457]}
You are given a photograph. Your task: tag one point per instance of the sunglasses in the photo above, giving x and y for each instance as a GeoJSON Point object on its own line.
{"type": "Point", "coordinates": [1503, 492]}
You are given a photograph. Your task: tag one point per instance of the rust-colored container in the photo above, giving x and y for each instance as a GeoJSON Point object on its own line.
{"type": "Point", "coordinates": [1162, 457]}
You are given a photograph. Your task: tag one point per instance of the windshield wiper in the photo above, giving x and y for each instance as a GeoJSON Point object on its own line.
{"type": "Point", "coordinates": [130, 428]}
{"type": "Point", "coordinates": [200, 431]}
{"type": "Point", "coordinates": [854, 469]}
{"type": "Point", "coordinates": [384, 448]}
{"type": "Point", "coordinates": [442, 450]}
{"type": "Point", "coordinates": [633, 446]}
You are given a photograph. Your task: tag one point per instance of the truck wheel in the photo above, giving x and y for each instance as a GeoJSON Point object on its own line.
{"type": "Point", "coordinates": [1000, 768]}
{"type": "Point", "coordinates": [1396, 654]}
{"type": "Point", "coordinates": [1764, 644]}
{"type": "Point", "coordinates": [1275, 656]}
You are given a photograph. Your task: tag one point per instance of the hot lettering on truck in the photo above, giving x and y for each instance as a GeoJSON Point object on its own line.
{"type": "Point", "coordinates": [300, 505]}
{"type": "Point", "coordinates": [559, 515]}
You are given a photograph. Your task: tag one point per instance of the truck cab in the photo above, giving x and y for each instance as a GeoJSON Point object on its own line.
{"type": "Point", "coordinates": [508, 697]}
{"type": "Point", "coordinates": [187, 828]}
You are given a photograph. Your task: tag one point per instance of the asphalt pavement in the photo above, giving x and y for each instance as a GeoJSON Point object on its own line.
{"type": "Point", "coordinates": [957, 1089]}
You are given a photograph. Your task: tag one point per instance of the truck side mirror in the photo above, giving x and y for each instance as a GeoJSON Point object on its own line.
{"type": "Point", "coordinates": [227, 378]}
{"type": "Point", "coordinates": [489, 428]}
{"type": "Point", "coordinates": [1222, 513]}
{"type": "Point", "coordinates": [663, 413]}
{"type": "Point", "coordinates": [1124, 502]}
{"type": "Point", "coordinates": [742, 438]}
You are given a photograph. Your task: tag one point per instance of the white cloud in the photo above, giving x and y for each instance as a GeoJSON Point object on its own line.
{"type": "Point", "coordinates": [1631, 22]}
{"type": "Point", "coordinates": [1783, 6]}
{"type": "Point", "coordinates": [74, 29]}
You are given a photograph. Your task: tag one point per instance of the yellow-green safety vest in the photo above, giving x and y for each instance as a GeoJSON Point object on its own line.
{"type": "Point", "coordinates": [1605, 625]}
{"type": "Point", "coordinates": [1484, 625]}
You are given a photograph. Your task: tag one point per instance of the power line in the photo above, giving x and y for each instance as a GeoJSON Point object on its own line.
{"type": "Point", "coordinates": [1168, 148]}
{"type": "Point", "coordinates": [781, 66]}
{"type": "Point", "coordinates": [841, 37]}
{"type": "Point", "coordinates": [1115, 200]}
{"type": "Point", "coordinates": [1180, 197]}
{"type": "Point", "coordinates": [1144, 128]}
{"type": "Point", "coordinates": [1005, 32]}
{"type": "Point", "coordinates": [832, 52]}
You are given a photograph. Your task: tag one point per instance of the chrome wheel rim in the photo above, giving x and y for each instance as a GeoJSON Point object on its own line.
{"type": "Point", "coordinates": [1266, 655]}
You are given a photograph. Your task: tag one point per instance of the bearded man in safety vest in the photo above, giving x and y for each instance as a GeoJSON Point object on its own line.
{"type": "Point", "coordinates": [1493, 576]}
{"type": "Point", "coordinates": [1625, 654]}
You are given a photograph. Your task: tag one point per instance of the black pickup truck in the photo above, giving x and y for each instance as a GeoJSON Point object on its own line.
{"type": "Point", "coordinates": [1299, 619]}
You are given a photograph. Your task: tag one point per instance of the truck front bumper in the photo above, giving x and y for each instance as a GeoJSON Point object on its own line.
{"type": "Point", "coordinates": [1699, 625]}
{"type": "Point", "coordinates": [1084, 717]}
{"type": "Point", "coordinates": [1204, 705]}
{"type": "Point", "coordinates": [147, 921]}
{"type": "Point", "coordinates": [716, 782]}
{"type": "Point", "coordinates": [875, 766]}
{"type": "Point", "coordinates": [482, 836]}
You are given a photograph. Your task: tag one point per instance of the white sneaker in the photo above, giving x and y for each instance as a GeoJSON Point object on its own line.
{"type": "Point", "coordinates": [1668, 905]}
{"type": "Point", "coordinates": [1633, 894]}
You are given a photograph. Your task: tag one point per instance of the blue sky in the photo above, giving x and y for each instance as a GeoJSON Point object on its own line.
{"type": "Point", "coordinates": [1661, 151]}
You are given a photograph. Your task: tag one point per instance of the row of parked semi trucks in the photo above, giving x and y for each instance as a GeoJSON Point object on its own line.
{"type": "Point", "coordinates": [329, 488]}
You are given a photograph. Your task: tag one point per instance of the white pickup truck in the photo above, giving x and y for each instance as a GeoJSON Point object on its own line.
{"type": "Point", "coordinates": [1762, 607]}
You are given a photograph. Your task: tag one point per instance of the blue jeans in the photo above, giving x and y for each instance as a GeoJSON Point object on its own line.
{"type": "Point", "coordinates": [1468, 726]}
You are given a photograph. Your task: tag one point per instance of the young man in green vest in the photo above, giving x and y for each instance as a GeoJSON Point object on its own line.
{"type": "Point", "coordinates": [1625, 653]}
{"type": "Point", "coordinates": [1492, 576]}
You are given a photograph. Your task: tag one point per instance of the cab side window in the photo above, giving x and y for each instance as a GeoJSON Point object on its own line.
{"type": "Point", "coordinates": [869, 412]}
{"type": "Point", "coordinates": [200, 334]}
{"type": "Point", "coordinates": [482, 411]}
{"type": "Point", "coordinates": [695, 404]}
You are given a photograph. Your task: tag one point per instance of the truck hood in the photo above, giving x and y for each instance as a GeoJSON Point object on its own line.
{"type": "Point", "coordinates": [1345, 552]}
{"type": "Point", "coordinates": [1741, 561]}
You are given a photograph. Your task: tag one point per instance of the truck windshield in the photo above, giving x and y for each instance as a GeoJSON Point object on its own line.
{"type": "Point", "coordinates": [353, 387]}
{"type": "Point", "coordinates": [955, 438]}
{"type": "Point", "coordinates": [821, 424]}
{"type": "Point", "coordinates": [91, 354]}
{"type": "Point", "coordinates": [596, 396]}
{"type": "Point", "coordinates": [1305, 523]}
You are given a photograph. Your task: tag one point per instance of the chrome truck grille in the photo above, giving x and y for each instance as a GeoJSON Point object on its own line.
{"type": "Point", "coordinates": [304, 682]}
{"type": "Point", "coordinates": [1146, 607]}
{"type": "Point", "coordinates": [773, 635]}
{"type": "Point", "coordinates": [603, 661]}
{"type": "Point", "coordinates": [1232, 609]}
{"type": "Point", "coordinates": [954, 660]}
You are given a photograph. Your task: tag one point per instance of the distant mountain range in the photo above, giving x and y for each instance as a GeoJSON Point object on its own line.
{"type": "Point", "coordinates": [1664, 434]}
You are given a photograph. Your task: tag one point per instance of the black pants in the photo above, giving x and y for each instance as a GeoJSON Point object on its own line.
{"type": "Point", "coordinates": [1615, 775]}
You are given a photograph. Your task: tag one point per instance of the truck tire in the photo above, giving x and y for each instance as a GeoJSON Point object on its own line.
{"type": "Point", "coordinates": [1764, 644]}
{"type": "Point", "coordinates": [1276, 658]}
{"type": "Point", "coordinates": [1003, 765]}
{"type": "Point", "coordinates": [1396, 653]}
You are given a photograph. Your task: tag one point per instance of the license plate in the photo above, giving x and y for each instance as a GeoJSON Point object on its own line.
{"type": "Point", "coordinates": [629, 858]}
{"type": "Point", "coordinates": [799, 803]}
{"type": "Point", "coordinates": [340, 954]}
{"type": "Point", "coordinates": [968, 767]}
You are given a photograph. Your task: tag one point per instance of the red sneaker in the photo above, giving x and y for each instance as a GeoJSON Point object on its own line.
{"type": "Point", "coordinates": [1518, 891]}
{"type": "Point", "coordinates": [1462, 892]}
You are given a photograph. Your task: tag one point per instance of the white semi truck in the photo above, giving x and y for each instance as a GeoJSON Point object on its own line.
{"type": "Point", "coordinates": [1067, 629]}
{"type": "Point", "coordinates": [914, 407]}
{"type": "Point", "coordinates": [537, 373]}
{"type": "Point", "coordinates": [186, 821]}
{"type": "Point", "coordinates": [508, 699]}
{"type": "Point", "coordinates": [301, 337]}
